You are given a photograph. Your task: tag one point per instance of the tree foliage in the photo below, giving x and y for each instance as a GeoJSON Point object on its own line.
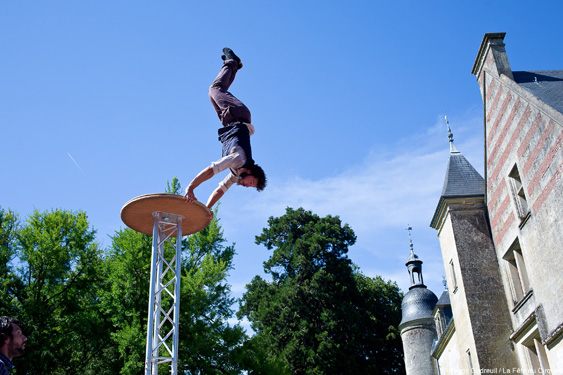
{"type": "Point", "coordinates": [51, 287]}
{"type": "Point", "coordinates": [209, 343]}
{"type": "Point", "coordinates": [8, 231]}
{"type": "Point", "coordinates": [125, 298]}
{"type": "Point", "coordinates": [315, 315]}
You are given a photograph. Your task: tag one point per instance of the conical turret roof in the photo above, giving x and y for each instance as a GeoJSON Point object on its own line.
{"type": "Point", "coordinates": [461, 178]}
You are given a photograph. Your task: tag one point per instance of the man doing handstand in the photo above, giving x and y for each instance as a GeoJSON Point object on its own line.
{"type": "Point", "coordinates": [234, 135]}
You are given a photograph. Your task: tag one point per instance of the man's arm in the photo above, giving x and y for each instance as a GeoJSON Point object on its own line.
{"type": "Point", "coordinates": [214, 197]}
{"type": "Point", "coordinates": [202, 176]}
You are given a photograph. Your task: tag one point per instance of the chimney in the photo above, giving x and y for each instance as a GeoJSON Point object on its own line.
{"type": "Point", "coordinates": [492, 57]}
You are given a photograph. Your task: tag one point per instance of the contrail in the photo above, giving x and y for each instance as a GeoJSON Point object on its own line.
{"type": "Point", "coordinates": [75, 163]}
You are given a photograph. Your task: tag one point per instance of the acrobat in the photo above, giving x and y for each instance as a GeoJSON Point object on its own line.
{"type": "Point", "coordinates": [234, 135]}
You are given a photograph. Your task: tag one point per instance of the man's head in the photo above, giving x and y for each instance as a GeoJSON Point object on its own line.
{"type": "Point", "coordinates": [253, 177]}
{"type": "Point", "coordinates": [12, 340]}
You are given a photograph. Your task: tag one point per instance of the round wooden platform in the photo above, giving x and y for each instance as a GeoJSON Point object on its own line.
{"type": "Point", "coordinates": [137, 213]}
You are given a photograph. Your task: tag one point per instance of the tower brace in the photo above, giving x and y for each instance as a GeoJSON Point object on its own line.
{"type": "Point", "coordinates": [164, 298]}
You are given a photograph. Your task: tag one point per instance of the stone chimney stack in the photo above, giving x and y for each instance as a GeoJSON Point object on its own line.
{"type": "Point", "coordinates": [491, 59]}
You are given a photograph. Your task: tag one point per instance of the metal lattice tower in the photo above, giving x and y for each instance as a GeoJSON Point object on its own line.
{"type": "Point", "coordinates": [166, 217]}
{"type": "Point", "coordinates": [164, 298]}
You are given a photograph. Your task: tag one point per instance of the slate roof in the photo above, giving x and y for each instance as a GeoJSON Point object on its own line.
{"type": "Point", "coordinates": [461, 178]}
{"type": "Point", "coordinates": [444, 299]}
{"type": "Point", "coordinates": [546, 85]}
{"type": "Point", "coordinates": [418, 303]}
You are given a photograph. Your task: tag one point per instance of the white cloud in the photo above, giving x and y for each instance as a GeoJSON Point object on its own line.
{"type": "Point", "coordinates": [384, 190]}
{"type": "Point", "coordinates": [378, 197]}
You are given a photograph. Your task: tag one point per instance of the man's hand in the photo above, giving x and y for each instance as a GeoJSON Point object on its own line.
{"type": "Point", "coordinates": [189, 196]}
{"type": "Point", "coordinates": [202, 176]}
{"type": "Point", "coordinates": [210, 217]}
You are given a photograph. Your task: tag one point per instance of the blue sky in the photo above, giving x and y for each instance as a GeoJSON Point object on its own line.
{"type": "Point", "coordinates": [102, 101]}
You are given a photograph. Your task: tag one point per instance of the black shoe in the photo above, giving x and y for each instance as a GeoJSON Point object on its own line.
{"type": "Point", "coordinates": [230, 55]}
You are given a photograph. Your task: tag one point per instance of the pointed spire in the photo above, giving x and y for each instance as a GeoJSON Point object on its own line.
{"type": "Point", "coordinates": [462, 180]}
{"type": "Point", "coordinates": [450, 135]}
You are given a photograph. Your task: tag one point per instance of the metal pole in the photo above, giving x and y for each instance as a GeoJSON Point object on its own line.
{"type": "Point", "coordinates": [157, 302]}
{"type": "Point", "coordinates": [177, 298]}
{"type": "Point", "coordinates": [164, 310]}
{"type": "Point", "coordinates": [154, 258]}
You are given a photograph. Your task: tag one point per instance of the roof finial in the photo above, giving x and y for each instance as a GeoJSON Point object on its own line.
{"type": "Point", "coordinates": [450, 135]}
{"type": "Point", "coordinates": [409, 228]}
{"type": "Point", "coordinates": [445, 282]}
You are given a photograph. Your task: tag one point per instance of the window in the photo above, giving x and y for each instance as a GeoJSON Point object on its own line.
{"type": "Point", "coordinates": [520, 285]}
{"type": "Point", "coordinates": [452, 272]}
{"type": "Point", "coordinates": [439, 321]}
{"type": "Point", "coordinates": [519, 195]}
{"type": "Point", "coordinates": [537, 356]}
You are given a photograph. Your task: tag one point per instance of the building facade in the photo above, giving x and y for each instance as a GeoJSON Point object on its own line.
{"type": "Point", "coordinates": [523, 120]}
{"type": "Point", "coordinates": [501, 236]}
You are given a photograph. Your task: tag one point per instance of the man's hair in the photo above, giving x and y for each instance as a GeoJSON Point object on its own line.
{"type": "Point", "coordinates": [6, 329]}
{"type": "Point", "coordinates": [257, 172]}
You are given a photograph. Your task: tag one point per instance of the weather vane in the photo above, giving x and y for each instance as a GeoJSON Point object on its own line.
{"type": "Point", "coordinates": [450, 135]}
{"type": "Point", "coordinates": [409, 229]}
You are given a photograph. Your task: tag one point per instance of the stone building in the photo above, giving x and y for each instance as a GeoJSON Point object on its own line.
{"type": "Point", "coordinates": [501, 236]}
{"type": "Point", "coordinates": [479, 331]}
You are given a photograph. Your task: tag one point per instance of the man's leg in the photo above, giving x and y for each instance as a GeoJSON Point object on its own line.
{"type": "Point", "coordinates": [228, 107]}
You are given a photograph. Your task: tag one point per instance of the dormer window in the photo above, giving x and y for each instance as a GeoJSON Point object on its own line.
{"type": "Point", "coordinates": [440, 323]}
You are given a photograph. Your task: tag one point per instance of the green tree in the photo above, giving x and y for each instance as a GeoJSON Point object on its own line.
{"type": "Point", "coordinates": [8, 232]}
{"type": "Point", "coordinates": [209, 344]}
{"type": "Point", "coordinates": [125, 298]}
{"type": "Point", "coordinates": [380, 302]}
{"type": "Point", "coordinates": [173, 187]}
{"type": "Point", "coordinates": [314, 315]}
{"type": "Point", "coordinates": [256, 357]}
{"type": "Point", "coordinates": [53, 292]}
